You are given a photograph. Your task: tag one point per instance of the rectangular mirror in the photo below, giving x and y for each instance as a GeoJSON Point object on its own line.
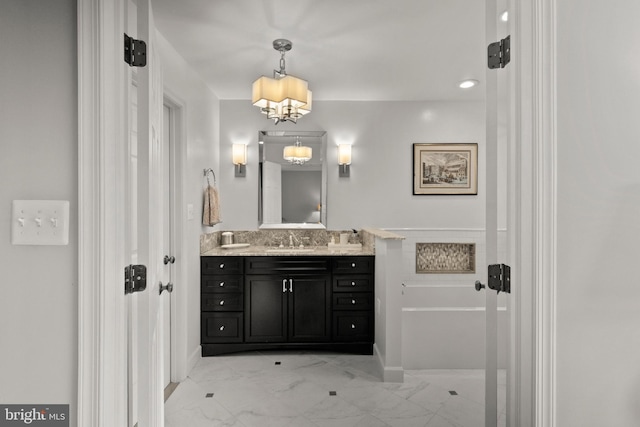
{"type": "Point", "coordinates": [292, 192]}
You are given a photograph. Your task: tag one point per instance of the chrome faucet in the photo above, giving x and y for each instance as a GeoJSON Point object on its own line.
{"type": "Point", "coordinates": [297, 241]}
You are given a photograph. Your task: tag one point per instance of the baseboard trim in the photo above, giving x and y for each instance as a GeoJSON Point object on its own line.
{"type": "Point", "coordinates": [194, 358]}
{"type": "Point", "coordinates": [389, 374]}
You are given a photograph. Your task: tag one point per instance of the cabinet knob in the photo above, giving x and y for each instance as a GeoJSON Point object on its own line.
{"type": "Point", "coordinates": [353, 326]}
{"type": "Point", "coordinates": [222, 328]}
{"type": "Point", "coordinates": [353, 301]}
{"type": "Point", "coordinates": [221, 284]}
{"type": "Point", "coordinates": [222, 302]}
{"type": "Point", "coordinates": [353, 283]}
{"type": "Point", "coordinates": [353, 265]}
{"type": "Point", "coordinates": [221, 266]}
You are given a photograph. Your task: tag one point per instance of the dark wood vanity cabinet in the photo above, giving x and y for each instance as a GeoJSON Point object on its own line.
{"type": "Point", "coordinates": [285, 302]}
{"type": "Point", "coordinates": [221, 300]}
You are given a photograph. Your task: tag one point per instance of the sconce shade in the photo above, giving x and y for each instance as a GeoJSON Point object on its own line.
{"type": "Point", "coordinates": [239, 158]}
{"type": "Point", "coordinates": [344, 154]}
{"type": "Point", "coordinates": [239, 154]}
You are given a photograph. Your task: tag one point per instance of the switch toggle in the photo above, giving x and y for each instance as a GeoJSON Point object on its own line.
{"type": "Point", "coordinates": [40, 222]}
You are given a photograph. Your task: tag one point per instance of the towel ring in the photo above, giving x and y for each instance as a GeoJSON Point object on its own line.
{"type": "Point", "coordinates": [206, 174]}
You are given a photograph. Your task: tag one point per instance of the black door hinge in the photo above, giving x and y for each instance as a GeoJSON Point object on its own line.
{"type": "Point", "coordinates": [135, 52]}
{"type": "Point", "coordinates": [499, 53]}
{"type": "Point", "coordinates": [500, 278]}
{"type": "Point", "coordinates": [135, 278]}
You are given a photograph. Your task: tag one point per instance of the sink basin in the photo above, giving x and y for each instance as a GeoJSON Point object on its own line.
{"type": "Point", "coordinates": [290, 250]}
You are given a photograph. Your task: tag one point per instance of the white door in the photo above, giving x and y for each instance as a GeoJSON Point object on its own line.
{"type": "Point", "coordinates": [146, 230]}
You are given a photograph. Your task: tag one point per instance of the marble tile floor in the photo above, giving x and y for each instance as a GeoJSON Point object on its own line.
{"type": "Point", "coordinates": [301, 389]}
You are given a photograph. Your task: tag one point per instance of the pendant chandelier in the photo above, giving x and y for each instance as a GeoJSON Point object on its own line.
{"type": "Point", "coordinates": [297, 154]}
{"type": "Point", "coordinates": [283, 97]}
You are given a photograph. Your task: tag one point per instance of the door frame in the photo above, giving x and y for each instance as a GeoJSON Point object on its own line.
{"type": "Point", "coordinates": [101, 305]}
{"type": "Point", "coordinates": [178, 153]}
{"type": "Point", "coordinates": [102, 102]}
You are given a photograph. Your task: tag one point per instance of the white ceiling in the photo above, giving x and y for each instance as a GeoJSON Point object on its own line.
{"type": "Point", "coordinates": [401, 50]}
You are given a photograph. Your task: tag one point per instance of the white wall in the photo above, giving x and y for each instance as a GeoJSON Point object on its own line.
{"type": "Point", "coordinates": [200, 137]}
{"type": "Point", "coordinates": [379, 191]}
{"type": "Point", "coordinates": [38, 160]}
{"type": "Point", "coordinates": [598, 294]}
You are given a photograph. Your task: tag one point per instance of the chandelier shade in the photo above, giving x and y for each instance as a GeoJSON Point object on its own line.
{"type": "Point", "coordinates": [297, 154]}
{"type": "Point", "coordinates": [283, 97]}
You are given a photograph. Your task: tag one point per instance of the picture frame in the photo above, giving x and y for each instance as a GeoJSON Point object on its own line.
{"type": "Point", "coordinates": [447, 168]}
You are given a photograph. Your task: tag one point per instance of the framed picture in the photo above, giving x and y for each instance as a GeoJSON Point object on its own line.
{"type": "Point", "coordinates": [445, 169]}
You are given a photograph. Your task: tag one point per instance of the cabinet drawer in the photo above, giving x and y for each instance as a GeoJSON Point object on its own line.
{"type": "Point", "coordinates": [221, 265]}
{"type": "Point", "coordinates": [353, 264]}
{"type": "Point", "coordinates": [352, 326]}
{"type": "Point", "coordinates": [352, 301]}
{"type": "Point", "coordinates": [221, 327]}
{"type": "Point", "coordinates": [218, 283]}
{"type": "Point", "coordinates": [222, 302]}
{"type": "Point", "coordinates": [352, 283]}
{"type": "Point", "coordinates": [286, 265]}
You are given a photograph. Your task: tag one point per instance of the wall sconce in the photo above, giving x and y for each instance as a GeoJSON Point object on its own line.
{"type": "Point", "coordinates": [240, 159]}
{"type": "Point", "coordinates": [344, 159]}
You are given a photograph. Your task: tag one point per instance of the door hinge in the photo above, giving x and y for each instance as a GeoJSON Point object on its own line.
{"type": "Point", "coordinates": [135, 52]}
{"type": "Point", "coordinates": [499, 53]}
{"type": "Point", "coordinates": [135, 278]}
{"type": "Point", "coordinates": [500, 278]}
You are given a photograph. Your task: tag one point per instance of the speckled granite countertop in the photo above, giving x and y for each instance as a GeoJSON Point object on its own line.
{"type": "Point", "coordinates": [275, 251]}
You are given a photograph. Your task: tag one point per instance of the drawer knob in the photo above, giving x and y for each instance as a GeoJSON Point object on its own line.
{"type": "Point", "coordinates": [353, 283]}
{"type": "Point", "coordinates": [222, 328]}
{"type": "Point", "coordinates": [222, 302]}
{"type": "Point", "coordinates": [353, 301]}
{"type": "Point", "coordinates": [353, 326]}
{"type": "Point", "coordinates": [353, 265]}
{"type": "Point", "coordinates": [221, 284]}
{"type": "Point", "coordinates": [222, 266]}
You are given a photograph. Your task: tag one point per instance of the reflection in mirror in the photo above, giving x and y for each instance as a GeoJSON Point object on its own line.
{"type": "Point", "coordinates": [292, 195]}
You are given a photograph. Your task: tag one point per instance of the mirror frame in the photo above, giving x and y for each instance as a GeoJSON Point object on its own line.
{"type": "Point", "coordinates": [263, 138]}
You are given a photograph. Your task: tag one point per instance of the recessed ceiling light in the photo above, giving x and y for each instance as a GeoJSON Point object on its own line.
{"type": "Point", "coordinates": [466, 84]}
{"type": "Point", "coordinates": [505, 16]}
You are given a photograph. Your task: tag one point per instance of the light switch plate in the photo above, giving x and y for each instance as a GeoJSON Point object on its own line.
{"type": "Point", "coordinates": [40, 222]}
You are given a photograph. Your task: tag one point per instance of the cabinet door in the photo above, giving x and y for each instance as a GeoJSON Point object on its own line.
{"type": "Point", "coordinates": [265, 309]}
{"type": "Point", "coordinates": [309, 308]}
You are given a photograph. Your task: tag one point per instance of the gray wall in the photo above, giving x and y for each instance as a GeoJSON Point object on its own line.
{"type": "Point", "coordinates": [38, 160]}
{"type": "Point", "coordinates": [301, 195]}
{"type": "Point", "coordinates": [379, 191]}
{"type": "Point", "coordinates": [598, 295]}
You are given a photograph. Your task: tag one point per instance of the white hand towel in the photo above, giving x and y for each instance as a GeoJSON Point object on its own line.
{"type": "Point", "coordinates": [211, 214]}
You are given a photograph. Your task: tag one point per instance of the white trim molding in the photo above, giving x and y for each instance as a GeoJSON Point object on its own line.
{"type": "Point", "coordinates": [545, 175]}
{"type": "Point", "coordinates": [102, 349]}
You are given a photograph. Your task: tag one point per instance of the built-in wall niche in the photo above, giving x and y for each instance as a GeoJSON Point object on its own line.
{"type": "Point", "coordinates": [292, 194]}
{"type": "Point", "coordinates": [446, 258]}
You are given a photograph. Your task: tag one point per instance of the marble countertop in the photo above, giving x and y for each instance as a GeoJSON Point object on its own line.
{"type": "Point", "coordinates": [275, 251]}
